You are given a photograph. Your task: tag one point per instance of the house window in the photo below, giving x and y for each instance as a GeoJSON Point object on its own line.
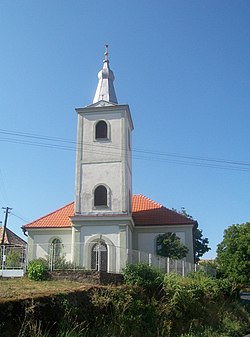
{"type": "Point", "coordinates": [57, 247]}
{"type": "Point", "coordinates": [101, 196]}
{"type": "Point", "coordinates": [101, 130]}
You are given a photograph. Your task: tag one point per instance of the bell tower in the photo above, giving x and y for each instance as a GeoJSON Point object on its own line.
{"type": "Point", "coordinates": [103, 184]}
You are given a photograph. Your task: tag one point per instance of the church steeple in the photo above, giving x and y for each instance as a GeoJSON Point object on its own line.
{"type": "Point", "coordinates": [105, 89]}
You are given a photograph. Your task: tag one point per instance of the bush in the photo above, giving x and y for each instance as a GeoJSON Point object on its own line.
{"type": "Point", "coordinates": [37, 269]}
{"type": "Point", "coordinates": [143, 275]}
{"type": "Point", "coordinates": [12, 259]}
{"type": "Point", "coordinates": [60, 263]}
{"type": "Point", "coordinates": [201, 302]}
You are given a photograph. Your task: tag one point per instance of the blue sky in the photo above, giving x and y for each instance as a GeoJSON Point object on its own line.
{"type": "Point", "coordinates": [182, 66]}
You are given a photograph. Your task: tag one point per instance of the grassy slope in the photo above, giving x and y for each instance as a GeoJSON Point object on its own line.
{"type": "Point", "coordinates": [23, 288]}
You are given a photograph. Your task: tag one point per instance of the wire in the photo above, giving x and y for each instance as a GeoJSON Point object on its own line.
{"type": "Point", "coordinates": [19, 217]}
{"type": "Point", "coordinates": [114, 150]}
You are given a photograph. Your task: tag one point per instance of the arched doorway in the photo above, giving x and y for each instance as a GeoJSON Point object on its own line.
{"type": "Point", "coordinates": [99, 256]}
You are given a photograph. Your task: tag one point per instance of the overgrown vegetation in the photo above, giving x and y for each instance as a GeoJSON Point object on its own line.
{"type": "Point", "coordinates": [233, 254]}
{"type": "Point", "coordinates": [143, 275]}
{"type": "Point", "coordinates": [195, 306]}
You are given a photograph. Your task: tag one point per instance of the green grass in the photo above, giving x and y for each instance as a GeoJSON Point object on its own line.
{"type": "Point", "coordinates": [22, 288]}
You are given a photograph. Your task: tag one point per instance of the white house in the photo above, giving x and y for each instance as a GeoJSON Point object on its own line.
{"type": "Point", "coordinates": [106, 222]}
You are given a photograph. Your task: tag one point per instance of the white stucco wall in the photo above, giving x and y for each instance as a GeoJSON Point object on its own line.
{"type": "Point", "coordinates": [144, 238]}
{"type": "Point", "coordinates": [111, 232]}
{"type": "Point", "coordinates": [39, 241]}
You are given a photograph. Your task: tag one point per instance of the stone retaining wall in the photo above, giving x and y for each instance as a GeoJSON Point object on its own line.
{"type": "Point", "coordinates": [86, 276]}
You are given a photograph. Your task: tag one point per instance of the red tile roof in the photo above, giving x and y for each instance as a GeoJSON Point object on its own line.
{"type": "Point", "coordinates": [145, 212]}
{"type": "Point", "coordinates": [10, 238]}
{"type": "Point", "coordinates": [56, 219]}
{"type": "Point", "coordinates": [148, 212]}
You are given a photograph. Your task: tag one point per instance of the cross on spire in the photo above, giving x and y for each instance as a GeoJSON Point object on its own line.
{"type": "Point", "coordinates": [105, 90]}
{"type": "Point", "coordinates": [106, 54]}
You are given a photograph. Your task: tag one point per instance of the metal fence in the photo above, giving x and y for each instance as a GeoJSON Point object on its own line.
{"type": "Point", "coordinates": [12, 260]}
{"type": "Point", "coordinates": [102, 257]}
{"type": "Point", "coordinates": [92, 256]}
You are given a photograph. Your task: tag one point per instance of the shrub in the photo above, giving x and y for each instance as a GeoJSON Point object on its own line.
{"type": "Point", "coordinates": [37, 270]}
{"type": "Point", "coordinates": [60, 263]}
{"type": "Point", "coordinates": [12, 259]}
{"type": "Point", "coordinates": [143, 275]}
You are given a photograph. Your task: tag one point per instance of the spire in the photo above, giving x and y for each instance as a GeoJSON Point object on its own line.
{"type": "Point", "coordinates": [105, 88]}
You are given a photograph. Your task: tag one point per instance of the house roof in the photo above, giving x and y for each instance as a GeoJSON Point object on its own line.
{"type": "Point", "coordinates": [145, 212]}
{"type": "Point", "coordinates": [10, 238]}
{"type": "Point", "coordinates": [57, 219]}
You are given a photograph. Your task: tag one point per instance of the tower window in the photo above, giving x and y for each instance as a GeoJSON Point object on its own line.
{"type": "Point", "coordinates": [100, 196]}
{"type": "Point", "coordinates": [101, 130]}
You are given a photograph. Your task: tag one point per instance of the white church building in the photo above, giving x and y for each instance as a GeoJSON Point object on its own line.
{"type": "Point", "coordinates": [106, 225]}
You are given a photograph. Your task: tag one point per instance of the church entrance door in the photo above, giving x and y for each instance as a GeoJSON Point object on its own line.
{"type": "Point", "coordinates": [99, 256]}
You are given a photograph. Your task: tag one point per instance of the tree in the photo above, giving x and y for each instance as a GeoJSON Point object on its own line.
{"type": "Point", "coordinates": [233, 253]}
{"type": "Point", "coordinates": [169, 245]}
{"type": "Point", "coordinates": [200, 243]}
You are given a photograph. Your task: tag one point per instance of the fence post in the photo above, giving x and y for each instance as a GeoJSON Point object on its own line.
{"type": "Point", "coordinates": [183, 268]}
{"type": "Point", "coordinates": [3, 257]}
{"type": "Point", "coordinates": [25, 258]}
{"type": "Point", "coordinates": [168, 266]}
{"type": "Point", "coordinates": [51, 256]}
{"type": "Point", "coordinates": [150, 259]}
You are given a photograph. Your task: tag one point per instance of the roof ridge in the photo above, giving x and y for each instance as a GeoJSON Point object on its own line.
{"type": "Point", "coordinates": [46, 215]}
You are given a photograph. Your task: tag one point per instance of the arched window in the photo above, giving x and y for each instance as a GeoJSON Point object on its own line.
{"type": "Point", "coordinates": [100, 196]}
{"type": "Point", "coordinates": [57, 247]}
{"type": "Point", "coordinates": [101, 130]}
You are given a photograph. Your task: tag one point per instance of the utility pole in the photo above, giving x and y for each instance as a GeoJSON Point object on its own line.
{"type": "Point", "coordinates": [8, 209]}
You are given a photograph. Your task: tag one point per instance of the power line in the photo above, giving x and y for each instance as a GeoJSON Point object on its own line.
{"type": "Point", "coordinates": [19, 217]}
{"type": "Point", "coordinates": [150, 155]}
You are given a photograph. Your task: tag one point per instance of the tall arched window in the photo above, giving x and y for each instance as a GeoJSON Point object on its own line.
{"type": "Point", "coordinates": [57, 247]}
{"type": "Point", "coordinates": [100, 196]}
{"type": "Point", "coordinates": [101, 130]}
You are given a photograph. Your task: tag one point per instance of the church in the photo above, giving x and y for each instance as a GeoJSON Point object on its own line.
{"type": "Point", "coordinates": [106, 225]}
